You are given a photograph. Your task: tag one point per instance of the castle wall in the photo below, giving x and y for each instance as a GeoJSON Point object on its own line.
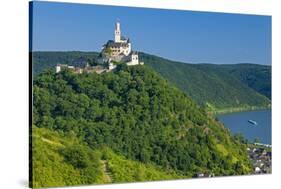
{"type": "Point", "coordinates": [125, 49]}
{"type": "Point", "coordinates": [134, 60]}
{"type": "Point", "coordinates": [128, 50]}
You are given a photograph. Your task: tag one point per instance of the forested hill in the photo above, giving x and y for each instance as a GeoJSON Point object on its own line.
{"type": "Point", "coordinates": [134, 115]}
{"type": "Point", "coordinates": [217, 87]}
{"type": "Point", "coordinates": [43, 60]}
{"type": "Point", "coordinates": [257, 77]}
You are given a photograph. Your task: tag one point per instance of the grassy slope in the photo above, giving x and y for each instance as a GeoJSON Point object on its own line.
{"type": "Point", "coordinates": [50, 169]}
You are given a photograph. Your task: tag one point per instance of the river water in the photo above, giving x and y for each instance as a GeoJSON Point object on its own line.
{"type": "Point", "coordinates": [238, 123]}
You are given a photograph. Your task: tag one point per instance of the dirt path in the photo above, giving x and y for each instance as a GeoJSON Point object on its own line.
{"type": "Point", "coordinates": [107, 174]}
{"type": "Point", "coordinates": [51, 142]}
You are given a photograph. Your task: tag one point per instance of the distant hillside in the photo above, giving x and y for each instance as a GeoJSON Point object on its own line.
{"type": "Point", "coordinates": [43, 60]}
{"type": "Point", "coordinates": [257, 77]}
{"type": "Point", "coordinates": [218, 87]}
{"type": "Point", "coordinates": [146, 123]}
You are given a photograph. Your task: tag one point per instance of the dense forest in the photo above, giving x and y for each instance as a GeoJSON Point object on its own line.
{"type": "Point", "coordinates": [219, 87]}
{"type": "Point", "coordinates": [256, 77]}
{"type": "Point", "coordinates": [126, 125]}
{"type": "Point", "coordinates": [215, 87]}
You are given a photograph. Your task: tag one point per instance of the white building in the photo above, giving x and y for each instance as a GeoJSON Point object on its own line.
{"type": "Point", "coordinates": [134, 59]}
{"type": "Point", "coordinates": [111, 66]}
{"type": "Point", "coordinates": [60, 67]}
{"type": "Point", "coordinates": [119, 50]}
{"type": "Point", "coordinates": [257, 170]}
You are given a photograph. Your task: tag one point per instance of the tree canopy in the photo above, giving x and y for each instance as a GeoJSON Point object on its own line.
{"type": "Point", "coordinates": [138, 115]}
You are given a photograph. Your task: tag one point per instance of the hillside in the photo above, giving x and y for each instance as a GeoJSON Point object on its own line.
{"type": "Point", "coordinates": [140, 117]}
{"type": "Point", "coordinates": [220, 87]}
{"type": "Point", "coordinates": [217, 87]}
{"type": "Point", "coordinates": [42, 60]}
{"type": "Point", "coordinates": [257, 77]}
{"type": "Point", "coordinates": [53, 163]}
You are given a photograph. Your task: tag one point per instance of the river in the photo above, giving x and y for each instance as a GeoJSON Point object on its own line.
{"type": "Point", "coordinates": [238, 123]}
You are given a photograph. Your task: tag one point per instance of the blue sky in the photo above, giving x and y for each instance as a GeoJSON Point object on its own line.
{"type": "Point", "coordinates": [194, 37]}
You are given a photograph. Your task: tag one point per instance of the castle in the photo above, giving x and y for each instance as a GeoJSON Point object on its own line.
{"type": "Point", "coordinates": [113, 52]}
{"type": "Point", "coordinates": [118, 50]}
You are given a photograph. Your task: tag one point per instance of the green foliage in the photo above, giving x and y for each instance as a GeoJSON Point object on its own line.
{"type": "Point", "coordinates": [108, 51]}
{"type": "Point", "coordinates": [123, 170]}
{"type": "Point", "coordinates": [55, 161]}
{"type": "Point", "coordinates": [92, 62]}
{"type": "Point", "coordinates": [62, 160]}
{"type": "Point", "coordinates": [217, 86]}
{"type": "Point", "coordinates": [239, 137]}
{"type": "Point", "coordinates": [76, 156]}
{"type": "Point", "coordinates": [48, 60]}
{"type": "Point", "coordinates": [141, 117]}
{"type": "Point", "coordinates": [257, 77]}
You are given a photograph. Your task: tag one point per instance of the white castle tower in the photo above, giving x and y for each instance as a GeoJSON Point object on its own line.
{"type": "Point", "coordinates": [117, 33]}
{"type": "Point", "coordinates": [118, 50]}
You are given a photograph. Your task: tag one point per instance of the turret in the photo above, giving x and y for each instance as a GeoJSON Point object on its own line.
{"type": "Point", "coordinates": [58, 68]}
{"type": "Point", "coordinates": [117, 32]}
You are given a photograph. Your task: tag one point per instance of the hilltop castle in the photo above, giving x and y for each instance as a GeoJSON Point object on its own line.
{"type": "Point", "coordinates": [113, 52]}
{"type": "Point", "coordinates": [119, 50]}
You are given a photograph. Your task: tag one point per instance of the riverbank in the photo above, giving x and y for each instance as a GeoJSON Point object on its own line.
{"type": "Point", "coordinates": [238, 109]}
